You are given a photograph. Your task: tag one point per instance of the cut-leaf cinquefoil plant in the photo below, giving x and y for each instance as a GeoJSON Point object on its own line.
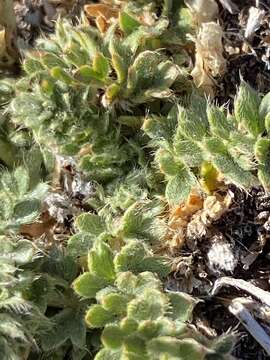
{"type": "Point", "coordinates": [138, 319]}
{"type": "Point", "coordinates": [80, 86]}
{"type": "Point", "coordinates": [40, 313]}
{"type": "Point", "coordinates": [202, 142]}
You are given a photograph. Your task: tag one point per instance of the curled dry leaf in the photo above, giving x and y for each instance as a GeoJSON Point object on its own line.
{"type": "Point", "coordinates": [202, 10]}
{"type": "Point", "coordinates": [214, 207]}
{"type": "Point", "coordinates": [209, 60]}
{"type": "Point", "coordinates": [103, 15]}
{"type": "Point", "coordinates": [180, 217]}
{"type": "Point", "coordinates": [191, 220]}
{"type": "Point", "coordinates": [44, 227]}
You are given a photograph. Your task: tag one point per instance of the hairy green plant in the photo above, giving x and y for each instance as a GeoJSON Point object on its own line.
{"type": "Point", "coordinates": [21, 320]}
{"type": "Point", "coordinates": [237, 145]}
{"type": "Point", "coordinates": [79, 88]}
{"type": "Point", "coordinates": [85, 95]}
{"type": "Point", "coordinates": [141, 221]}
{"type": "Point", "coordinates": [139, 320]}
{"type": "Point", "coordinates": [21, 198]}
{"type": "Point", "coordinates": [40, 314]}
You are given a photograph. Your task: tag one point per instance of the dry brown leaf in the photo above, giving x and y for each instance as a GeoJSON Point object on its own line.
{"type": "Point", "coordinates": [209, 60]}
{"type": "Point", "coordinates": [37, 229]}
{"type": "Point", "coordinates": [103, 15]}
{"type": "Point", "coordinates": [179, 218]}
{"type": "Point", "coordinates": [214, 207]}
{"type": "Point", "coordinates": [101, 24]}
{"type": "Point", "coordinates": [106, 11]}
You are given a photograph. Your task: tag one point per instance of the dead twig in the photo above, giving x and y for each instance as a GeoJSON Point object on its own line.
{"type": "Point", "coordinates": [247, 320]}
{"type": "Point", "coordinates": [262, 295]}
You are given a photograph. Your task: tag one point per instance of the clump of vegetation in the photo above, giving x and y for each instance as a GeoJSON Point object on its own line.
{"type": "Point", "coordinates": [203, 142]}
{"type": "Point", "coordinates": [139, 320]}
{"type": "Point", "coordinates": [110, 98]}
{"type": "Point", "coordinates": [85, 94]}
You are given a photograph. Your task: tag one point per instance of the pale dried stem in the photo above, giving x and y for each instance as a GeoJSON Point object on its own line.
{"type": "Point", "coordinates": [253, 327]}
{"type": "Point", "coordinates": [261, 295]}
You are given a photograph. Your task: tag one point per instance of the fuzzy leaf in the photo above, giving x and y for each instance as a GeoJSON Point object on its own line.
{"type": "Point", "coordinates": [159, 127]}
{"type": "Point", "coordinates": [87, 285]}
{"type": "Point", "coordinates": [98, 317]}
{"type": "Point", "coordinates": [26, 211]}
{"type": "Point", "coordinates": [151, 305]}
{"type": "Point", "coordinates": [90, 223]}
{"type": "Point", "coordinates": [59, 74]}
{"type": "Point", "coordinates": [179, 186]}
{"type": "Point", "coordinates": [26, 106]}
{"type": "Point", "coordinates": [137, 258]}
{"type": "Point", "coordinates": [127, 23]}
{"type": "Point", "coordinates": [193, 122]}
{"type": "Point", "coordinates": [247, 109]}
{"type": "Point", "coordinates": [182, 306]}
{"type": "Point", "coordinates": [101, 65]}
{"type": "Point", "coordinates": [168, 163]}
{"type": "Point", "coordinates": [32, 65]}
{"type": "Point", "coordinates": [88, 75]}
{"type": "Point", "coordinates": [134, 345]}
{"type": "Point", "coordinates": [79, 244]}
{"type": "Point", "coordinates": [189, 152]}
{"type": "Point", "coordinates": [51, 60]}
{"type": "Point", "coordinates": [262, 153]}
{"type": "Point", "coordinates": [69, 325]}
{"type": "Point", "coordinates": [21, 252]}
{"type": "Point", "coordinates": [118, 62]}
{"type": "Point", "coordinates": [140, 219]}
{"type": "Point", "coordinates": [112, 337]}
{"type": "Point", "coordinates": [108, 354]}
{"type": "Point", "coordinates": [226, 165]}
{"type": "Point", "coordinates": [183, 349]}
{"type": "Point", "coordinates": [264, 108]}
{"type": "Point", "coordinates": [114, 303]}
{"type": "Point", "coordinates": [128, 325]}
{"type": "Point", "coordinates": [220, 125]}
{"type": "Point", "coordinates": [100, 261]}
{"type": "Point", "coordinates": [132, 284]}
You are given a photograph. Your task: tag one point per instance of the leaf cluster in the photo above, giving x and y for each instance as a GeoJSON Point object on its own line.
{"type": "Point", "coordinates": [138, 319]}
{"type": "Point", "coordinates": [202, 141]}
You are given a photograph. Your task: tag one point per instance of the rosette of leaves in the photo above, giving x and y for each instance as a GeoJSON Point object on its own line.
{"type": "Point", "coordinates": [21, 319]}
{"type": "Point", "coordinates": [141, 221]}
{"type": "Point", "coordinates": [40, 314]}
{"type": "Point", "coordinates": [50, 290]}
{"type": "Point", "coordinates": [138, 319]}
{"type": "Point", "coordinates": [202, 139]}
{"type": "Point", "coordinates": [79, 88]}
